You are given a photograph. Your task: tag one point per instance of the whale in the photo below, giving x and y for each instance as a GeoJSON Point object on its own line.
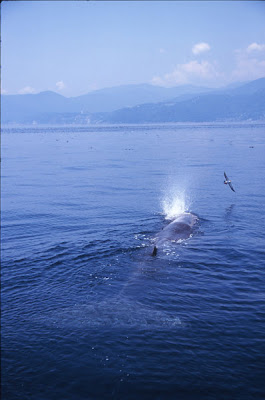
{"type": "Point", "coordinates": [179, 228]}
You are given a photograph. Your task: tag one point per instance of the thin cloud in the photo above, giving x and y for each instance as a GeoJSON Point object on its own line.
{"type": "Point", "coordinates": [250, 62]}
{"type": "Point", "coordinates": [200, 48]}
{"type": "Point", "coordinates": [27, 90]}
{"type": "Point", "coordinates": [191, 72]}
{"type": "Point", "coordinates": [253, 47]}
{"type": "Point", "coordinates": [60, 85]}
{"type": "Point", "coordinates": [249, 69]}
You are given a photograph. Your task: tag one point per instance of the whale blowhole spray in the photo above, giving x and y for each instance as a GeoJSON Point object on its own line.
{"type": "Point", "coordinates": [174, 203]}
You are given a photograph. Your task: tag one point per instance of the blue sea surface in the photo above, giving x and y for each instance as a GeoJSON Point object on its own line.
{"type": "Point", "coordinates": [87, 312]}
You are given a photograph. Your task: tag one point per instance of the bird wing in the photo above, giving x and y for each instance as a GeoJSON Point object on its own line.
{"type": "Point", "coordinates": [230, 184]}
{"type": "Point", "coordinates": [226, 177]}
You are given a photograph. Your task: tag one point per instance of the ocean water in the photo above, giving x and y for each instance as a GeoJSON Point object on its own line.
{"type": "Point", "coordinates": [87, 312]}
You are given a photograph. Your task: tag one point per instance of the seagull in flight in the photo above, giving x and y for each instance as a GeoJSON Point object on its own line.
{"type": "Point", "coordinates": [227, 181]}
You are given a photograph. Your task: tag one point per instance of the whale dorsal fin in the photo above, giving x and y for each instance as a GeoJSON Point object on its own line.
{"type": "Point", "coordinates": [154, 251]}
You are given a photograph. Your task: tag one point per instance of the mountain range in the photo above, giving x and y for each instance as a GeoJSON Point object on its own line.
{"type": "Point", "coordinates": [139, 104]}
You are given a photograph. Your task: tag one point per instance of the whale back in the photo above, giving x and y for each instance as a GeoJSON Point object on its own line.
{"type": "Point", "coordinates": [186, 218]}
{"type": "Point", "coordinates": [178, 229]}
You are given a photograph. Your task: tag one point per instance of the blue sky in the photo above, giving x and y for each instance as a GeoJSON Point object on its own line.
{"type": "Point", "coordinates": [73, 47]}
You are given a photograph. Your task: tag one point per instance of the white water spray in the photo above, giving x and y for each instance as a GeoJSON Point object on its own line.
{"type": "Point", "coordinates": [175, 202]}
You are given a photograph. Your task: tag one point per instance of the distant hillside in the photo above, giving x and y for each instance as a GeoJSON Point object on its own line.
{"type": "Point", "coordinates": [24, 108]}
{"type": "Point", "coordinates": [249, 88]}
{"type": "Point", "coordinates": [111, 99]}
{"type": "Point", "coordinates": [35, 107]}
{"type": "Point", "coordinates": [242, 103]}
{"type": "Point", "coordinates": [139, 104]}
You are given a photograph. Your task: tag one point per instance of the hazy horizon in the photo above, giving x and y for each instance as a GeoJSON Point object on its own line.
{"type": "Point", "coordinates": [135, 85]}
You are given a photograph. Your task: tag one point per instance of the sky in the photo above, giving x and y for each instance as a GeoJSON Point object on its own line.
{"type": "Point", "coordinates": [74, 47]}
